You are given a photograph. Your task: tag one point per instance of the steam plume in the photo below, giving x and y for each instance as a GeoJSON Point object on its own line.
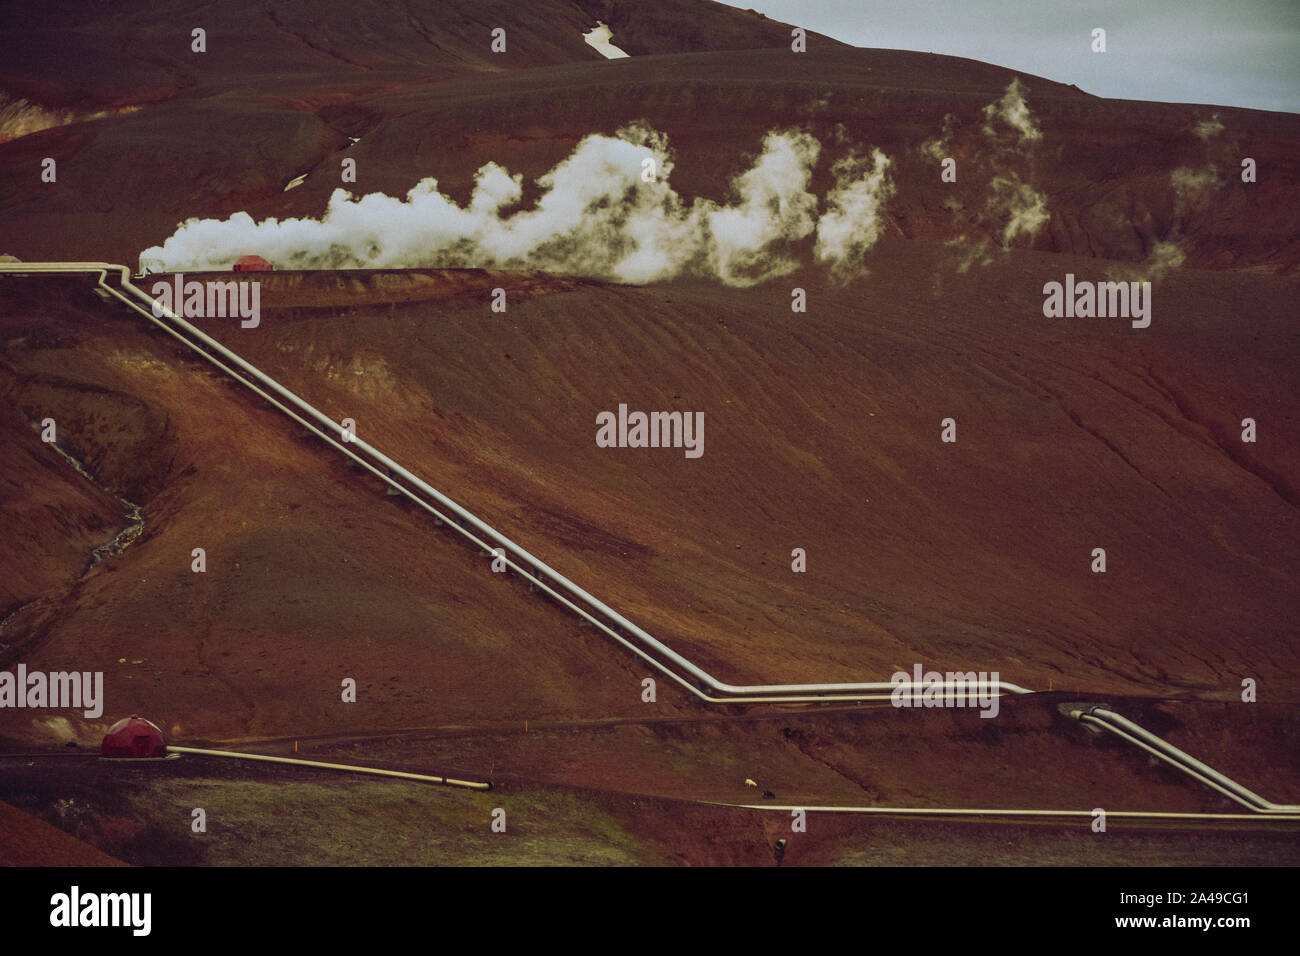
{"type": "Point", "coordinates": [598, 215]}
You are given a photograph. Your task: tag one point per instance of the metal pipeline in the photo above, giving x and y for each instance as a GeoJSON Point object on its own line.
{"type": "Point", "coordinates": [1000, 812]}
{"type": "Point", "coordinates": [400, 774]}
{"type": "Point", "coordinates": [704, 686]}
{"type": "Point", "coordinates": [1127, 730]}
{"type": "Point", "coordinates": [543, 576]}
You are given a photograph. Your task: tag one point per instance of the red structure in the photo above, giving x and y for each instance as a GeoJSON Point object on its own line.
{"type": "Point", "coordinates": [253, 264]}
{"type": "Point", "coordinates": [134, 737]}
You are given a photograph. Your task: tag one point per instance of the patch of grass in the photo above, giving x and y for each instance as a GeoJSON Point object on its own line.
{"type": "Point", "coordinates": [341, 822]}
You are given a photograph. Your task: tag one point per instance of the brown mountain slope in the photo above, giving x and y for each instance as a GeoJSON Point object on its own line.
{"type": "Point", "coordinates": [822, 432]}
{"type": "Point", "coordinates": [313, 575]}
{"type": "Point", "coordinates": [74, 53]}
{"type": "Point", "coordinates": [26, 840]}
{"type": "Point", "coordinates": [1118, 178]}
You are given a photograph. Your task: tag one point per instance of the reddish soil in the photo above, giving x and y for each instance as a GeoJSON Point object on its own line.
{"type": "Point", "coordinates": [26, 840]}
{"type": "Point", "coordinates": [822, 433]}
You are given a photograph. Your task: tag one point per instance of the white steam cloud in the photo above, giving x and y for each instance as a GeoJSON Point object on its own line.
{"type": "Point", "coordinates": [1024, 207]}
{"type": "Point", "coordinates": [1009, 197]}
{"type": "Point", "coordinates": [938, 148]}
{"type": "Point", "coordinates": [601, 213]}
{"type": "Point", "coordinates": [775, 207]}
{"type": "Point", "coordinates": [1006, 142]}
{"type": "Point", "coordinates": [852, 223]}
{"type": "Point", "coordinates": [972, 253]}
{"type": "Point", "coordinates": [1190, 184]}
{"type": "Point", "coordinates": [1013, 111]}
{"type": "Point", "coordinates": [1206, 129]}
{"type": "Point", "coordinates": [1165, 256]}
{"type": "Point", "coordinates": [1193, 190]}
{"type": "Point", "coordinates": [60, 728]}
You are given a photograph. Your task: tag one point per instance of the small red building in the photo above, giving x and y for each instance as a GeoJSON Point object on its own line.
{"type": "Point", "coordinates": [134, 737]}
{"type": "Point", "coordinates": [253, 264]}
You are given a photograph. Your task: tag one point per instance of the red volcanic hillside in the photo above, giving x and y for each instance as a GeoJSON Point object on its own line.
{"type": "Point", "coordinates": [822, 430]}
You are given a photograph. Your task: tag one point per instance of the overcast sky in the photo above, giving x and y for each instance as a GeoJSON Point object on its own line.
{"type": "Point", "coordinates": [1219, 52]}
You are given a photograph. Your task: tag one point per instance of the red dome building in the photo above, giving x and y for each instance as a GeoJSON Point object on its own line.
{"type": "Point", "coordinates": [253, 264]}
{"type": "Point", "coordinates": [134, 737]}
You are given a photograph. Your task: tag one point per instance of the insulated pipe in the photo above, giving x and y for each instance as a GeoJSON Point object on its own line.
{"type": "Point", "coordinates": [773, 693]}
{"type": "Point", "coordinates": [439, 516]}
{"type": "Point", "coordinates": [401, 774]}
{"type": "Point", "coordinates": [459, 527]}
{"type": "Point", "coordinates": [533, 567]}
{"type": "Point", "coordinates": [1200, 778]}
{"type": "Point", "coordinates": [504, 542]}
{"type": "Point", "coordinates": [969, 812]}
{"type": "Point", "coordinates": [1125, 728]}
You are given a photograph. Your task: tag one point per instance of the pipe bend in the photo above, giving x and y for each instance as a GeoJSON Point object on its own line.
{"type": "Point", "coordinates": [717, 691]}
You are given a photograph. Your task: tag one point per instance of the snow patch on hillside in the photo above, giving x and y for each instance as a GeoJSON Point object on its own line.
{"type": "Point", "coordinates": [599, 39]}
